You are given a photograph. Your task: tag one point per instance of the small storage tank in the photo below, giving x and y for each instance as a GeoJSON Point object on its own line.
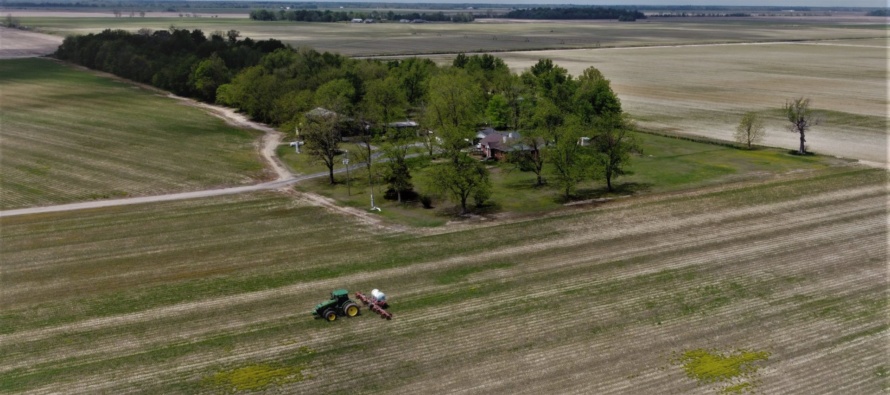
{"type": "Point", "coordinates": [376, 294]}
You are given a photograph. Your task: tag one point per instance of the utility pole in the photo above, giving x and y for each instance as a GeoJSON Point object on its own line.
{"type": "Point", "coordinates": [346, 162]}
{"type": "Point", "coordinates": [371, 182]}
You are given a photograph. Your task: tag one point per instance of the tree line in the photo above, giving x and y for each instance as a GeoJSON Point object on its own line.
{"type": "Point", "coordinates": [572, 128]}
{"type": "Point", "coordinates": [184, 62]}
{"type": "Point", "coordinates": [575, 13]}
{"type": "Point", "coordinates": [308, 15]}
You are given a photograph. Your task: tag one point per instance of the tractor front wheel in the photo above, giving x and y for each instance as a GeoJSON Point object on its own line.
{"type": "Point", "coordinates": [351, 309]}
{"type": "Point", "coordinates": [330, 315]}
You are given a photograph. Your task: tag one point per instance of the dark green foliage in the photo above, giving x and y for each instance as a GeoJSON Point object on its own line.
{"type": "Point", "coordinates": [571, 161]}
{"type": "Point", "coordinates": [498, 112]}
{"type": "Point", "coordinates": [343, 16]}
{"type": "Point", "coordinates": [397, 175]}
{"type": "Point", "coordinates": [168, 59]}
{"type": "Point", "coordinates": [614, 145]}
{"type": "Point", "coordinates": [594, 97]}
{"type": "Point", "coordinates": [460, 179]}
{"type": "Point", "coordinates": [576, 13]}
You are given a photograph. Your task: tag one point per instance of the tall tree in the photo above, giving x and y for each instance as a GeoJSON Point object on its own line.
{"type": "Point", "coordinates": [366, 155]}
{"type": "Point", "coordinates": [322, 136]}
{"type": "Point", "coordinates": [336, 95]}
{"type": "Point", "coordinates": [546, 118]}
{"type": "Point", "coordinates": [413, 75]}
{"type": "Point", "coordinates": [802, 118]}
{"type": "Point", "coordinates": [533, 156]}
{"type": "Point", "coordinates": [614, 144]}
{"type": "Point", "coordinates": [384, 102]}
{"type": "Point", "coordinates": [552, 82]}
{"type": "Point", "coordinates": [515, 93]}
{"type": "Point", "coordinates": [453, 108]}
{"type": "Point", "coordinates": [207, 77]}
{"type": "Point", "coordinates": [460, 179]}
{"type": "Point", "coordinates": [571, 161]}
{"type": "Point", "coordinates": [750, 130]}
{"type": "Point", "coordinates": [397, 174]}
{"type": "Point", "coordinates": [594, 97]}
{"type": "Point", "coordinates": [498, 112]}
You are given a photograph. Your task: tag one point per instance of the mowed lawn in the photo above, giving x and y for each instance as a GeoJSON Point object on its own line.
{"type": "Point", "coordinates": [70, 135]}
{"type": "Point", "coordinates": [663, 164]}
{"type": "Point", "coordinates": [213, 296]}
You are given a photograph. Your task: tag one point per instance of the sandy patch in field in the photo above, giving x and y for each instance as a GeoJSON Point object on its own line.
{"type": "Point", "coordinates": [16, 43]}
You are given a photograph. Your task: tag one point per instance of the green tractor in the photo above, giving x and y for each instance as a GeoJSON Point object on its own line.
{"type": "Point", "coordinates": [338, 305]}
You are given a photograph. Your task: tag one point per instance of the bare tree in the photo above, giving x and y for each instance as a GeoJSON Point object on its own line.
{"type": "Point", "coordinates": [802, 118]}
{"type": "Point", "coordinates": [750, 130]}
{"type": "Point", "coordinates": [11, 22]}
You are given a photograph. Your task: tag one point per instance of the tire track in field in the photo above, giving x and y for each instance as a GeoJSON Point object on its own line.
{"type": "Point", "coordinates": [227, 301]}
{"type": "Point", "coordinates": [429, 316]}
{"type": "Point", "coordinates": [528, 326]}
{"type": "Point", "coordinates": [181, 309]}
{"type": "Point", "coordinates": [253, 356]}
{"type": "Point", "coordinates": [459, 380]}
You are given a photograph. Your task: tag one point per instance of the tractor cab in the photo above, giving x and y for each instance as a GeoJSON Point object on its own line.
{"type": "Point", "coordinates": [338, 305]}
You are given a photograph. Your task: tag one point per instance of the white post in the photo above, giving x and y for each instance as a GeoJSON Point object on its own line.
{"type": "Point", "coordinates": [297, 130]}
{"type": "Point", "coordinates": [346, 162]}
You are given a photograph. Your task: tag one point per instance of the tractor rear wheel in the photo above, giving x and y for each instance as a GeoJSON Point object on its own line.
{"type": "Point", "coordinates": [351, 309]}
{"type": "Point", "coordinates": [330, 315]}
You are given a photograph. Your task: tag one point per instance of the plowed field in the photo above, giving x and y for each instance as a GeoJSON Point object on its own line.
{"type": "Point", "coordinates": [214, 295]}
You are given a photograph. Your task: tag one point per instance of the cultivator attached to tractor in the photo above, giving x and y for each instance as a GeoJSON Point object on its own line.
{"type": "Point", "coordinates": [376, 303]}
{"type": "Point", "coordinates": [339, 305]}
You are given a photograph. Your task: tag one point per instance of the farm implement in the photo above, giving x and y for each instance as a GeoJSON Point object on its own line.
{"type": "Point", "coordinates": [339, 305]}
{"type": "Point", "coordinates": [376, 303]}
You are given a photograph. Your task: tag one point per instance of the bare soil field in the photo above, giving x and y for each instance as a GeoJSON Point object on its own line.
{"type": "Point", "coordinates": [16, 43]}
{"type": "Point", "coordinates": [383, 39]}
{"type": "Point", "coordinates": [213, 296]}
{"type": "Point", "coordinates": [704, 90]}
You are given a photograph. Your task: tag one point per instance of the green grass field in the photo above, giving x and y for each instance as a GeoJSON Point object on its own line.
{"type": "Point", "coordinates": [667, 164]}
{"type": "Point", "coordinates": [69, 135]}
{"type": "Point", "coordinates": [213, 295]}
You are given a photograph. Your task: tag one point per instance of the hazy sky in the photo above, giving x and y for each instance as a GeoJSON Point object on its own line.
{"type": "Point", "coordinates": [774, 3]}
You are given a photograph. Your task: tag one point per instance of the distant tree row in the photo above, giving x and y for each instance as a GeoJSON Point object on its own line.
{"type": "Point", "coordinates": [184, 62]}
{"type": "Point", "coordinates": [307, 15]}
{"type": "Point", "coordinates": [575, 13]}
{"type": "Point", "coordinates": [701, 14]}
{"type": "Point", "coordinates": [879, 12]}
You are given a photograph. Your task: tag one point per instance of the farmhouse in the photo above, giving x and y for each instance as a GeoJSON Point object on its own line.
{"type": "Point", "coordinates": [319, 112]}
{"type": "Point", "coordinates": [495, 145]}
